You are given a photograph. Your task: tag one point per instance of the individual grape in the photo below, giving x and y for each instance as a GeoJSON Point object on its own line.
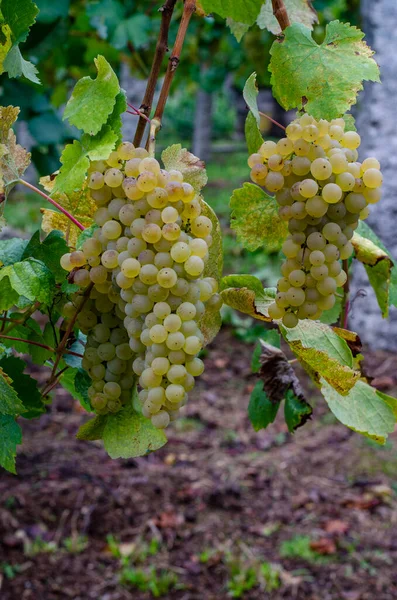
{"type": "Point", "coordinates": [351, 140]}
{"type": "Point", "coordinates": [194, 266]}
{"type": "Point", "coordinates": [308, 188]}
{"type": "Point", "coordinates": [290, 320]}
{"type": "Point", "coordinates": [111, 230]}
{"type": "Point", "coordinates": [113, 177]}
{"type": "Point", "coordinates": [316, 206]}
{"type": "Point", "coordinates": [300, 166]}
{"type": "Point", "coordinates": [321, 169]}
{"type": "Point", "coordinates": [372, 178]}
{"type": "Point", "coordinates": [167, 278]}
{"type": "Point", "coordinates": [355, 202]}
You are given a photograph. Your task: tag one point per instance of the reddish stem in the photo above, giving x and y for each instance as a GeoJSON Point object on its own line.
{"type": "Point", "coordinates": [54, 203]}
{"type": "Point", "coordinates": [272, 120]}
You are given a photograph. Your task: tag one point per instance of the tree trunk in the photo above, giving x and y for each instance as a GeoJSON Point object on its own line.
{"type": "Point", "coordinates": [203, 125]}
{"type": "Point", "coordinates": [377, 126]}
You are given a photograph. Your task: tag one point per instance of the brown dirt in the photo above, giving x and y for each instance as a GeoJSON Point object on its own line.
{"type": "Point", "coordinates": [216, 486]}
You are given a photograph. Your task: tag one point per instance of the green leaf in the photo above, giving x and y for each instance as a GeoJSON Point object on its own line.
{"type": "Point", "coordinates": [93, 100]}
{"type": "Point", "coordinates": [93, 429]}
{"type": "Point", "coordinates": [99, 146]}
{"type": "Point", "coordinates": [10, 437]}
{"type": "Point", "coordinates": [10, 404]}
{"type": "Point", "coordinates": [20, 16]}
{"type": "Point", "coordinates": [363, 409]}
{"type": "Point", "coordinates": [243, 11]}
{"type": "Point", "coordinates": [237, 29]}
{"type": "Point", "coordinates": [29, 278]}
{"type": "Point", "coordinates": [296, 411]}
{"type": "Point", "coordinates": [11, 251]}
{"type": "Point", "coordinates": [323, 354]}
{"type": "Point", "coordinates": [379, 265]}
{"type": "Point", "coordinates": [255, 219]}
{"type": "Point", "coordinates": [246, 294]}
{"type": "Point", "coordinates": [331, 316]}
{"type": "Point", "coordinates": [24, 385]}
{"type": "Point", "coordinates": [250, 94]}
{"type": "Point", "coordinates": [50, 11]}
{"type": "Point", "coordinates": [299, 11]}
{"type": "Point", "coordinates": [128, 434]}
{"type": "Point", "coordinates": [49, 252]}
{"type": "Point", "coordinates": [86, 235]}
{"type": "Point", "coordinates": [69, 288]}
{"type": "Point", "coordinates": [253, 136]}
{"type": "Point", "coordinates": [114, 120]}
{"type": "Point", "coordinates": [75, 163]}
{"type": "Point", "coordinates": [261, 411]}
{"type": "Point", "coordinates": [15, 65]}
{"type": "Point", "coordinates": [76, 382]}
{"type": "Point", "coordinates": [324, 78]}
{"type": "Point", "coordinates": [31, 331]}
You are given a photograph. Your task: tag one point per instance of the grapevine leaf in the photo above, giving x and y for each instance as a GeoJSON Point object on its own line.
{"type": "Point", "coordinates": [250, 94]}
{"type": "Point", "coordinates": [192, 168]}
{"type": "Point", "coordinates": [75, 163]}
{"type": "Point", "coordinates": [24, 385]}
{"type": "Point", "coordinates": [29, 278]}
{"type": "Point", "coordinates": [246, 294]}
{"type": "Point", "coordinates": [255, 219]}
{"type": "Point", "coordinates": [99, 146]}
{"type": "Point", "coordinates": [135, 29]}
{"type": "Point", "coordinates": [5, 42]}
{"type": "Point", "coordinates": [31, 331]}
{"type": "Point", "coordinates": [324, 78]}
{"type": "Point", "coordinates": [128, 434]}
{"type": "Point", "coordinates": [76, 382]}
{"type": "Point", "coordinates": [69, 288]}
{"type": "Point", "coordinates": [13, 158]}
{"type": "Point", "coordinates": [10, 438]}
{"type": "Point", "coordinates": [11, 251]}
{"type": "Point", "coordinates": [114, 121]}
{"type": "Point", "coordinates": [363, 409]}
{"type": "Point", "coordinates": [85, 235]}
{"type": "Point", "coordinates": [16, 18]}
{"type": "Point", "coordinates": [299, 11]}
{"type": "Point", "coordinates": [20, 16]}
{"type": "Point", "coordinates": [350, 123]}
{"type": "Point", "coordinates": [296, 411]}
{"type": "Point", "coordinates": [261, 411]}
{"type": "Point", "coordinates": [48, 252]}
{"type": "Point", "coordinates": [15, 65]}
{"type": "Point", "coordinates": [93, 100]}
{"type": "Point", "coordinates": [323, 354]}
{"type": "Point", "coordinates": [211, 321]}
{"type": "Point", "coordinates": [51, 11]}
{"type": "Point", "coordinates": [237, 29]}
{"type": "Point", "coordinates": [10, 403]}
{"type": "Point", "coordinates": [253, 136]}
{"type": "Point", "coordinates": [243, 11]}
{"type": "Point", "coordinates": [93, 429]}
{"type": "Point", "coordinates": [379, 265]}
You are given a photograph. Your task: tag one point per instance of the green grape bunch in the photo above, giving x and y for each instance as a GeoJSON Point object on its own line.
{"type": "Point", "coordinates": [322, 192]}
{"type": "Point", "coordinates": [143, 268]}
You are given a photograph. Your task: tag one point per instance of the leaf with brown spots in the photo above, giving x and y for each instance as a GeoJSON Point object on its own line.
{"type": "Point", "coordinates": [246, 294]}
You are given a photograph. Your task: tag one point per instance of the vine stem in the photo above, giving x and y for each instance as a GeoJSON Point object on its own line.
{"type": "Point", "coordinates": [53, 202]}
{"type": "Point", "coordinates": [33, 343]}
{"type": "Point", "coordinates": [161, 48]}
{"type": "Point", "coordinates": [62, 345]}
{"type": "Point", "coordinates": [188, 10]}
{"type": "Point", "coordinates": [280, 12]}
{"type": "Point", "coordinates": [272, 120]}
{"type": "Point", "coordinates": [22, 321]}
{"type": "Point", "coordinates": [346, 293]}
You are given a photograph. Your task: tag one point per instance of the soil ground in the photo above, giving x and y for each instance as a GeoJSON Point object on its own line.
{"type": "Point", "coordinates": [310, 516]}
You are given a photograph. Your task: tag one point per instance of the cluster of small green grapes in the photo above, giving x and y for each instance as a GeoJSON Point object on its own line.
{"type": "Point", "coordinates": [322, 192]}
{"type": "Point", "coordinates": [146, 261]}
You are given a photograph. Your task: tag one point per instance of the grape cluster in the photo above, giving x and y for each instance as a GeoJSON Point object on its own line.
{"type": "Point", "coordinates": [322, 192]}
{"type": "Point", "coordinates": [145, 262]}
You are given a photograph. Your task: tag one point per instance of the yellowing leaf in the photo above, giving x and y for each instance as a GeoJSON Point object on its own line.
{"type": "Point", "coordinates": [246, 294]}
{"type": "Point", "coordinates": [255, 219]}
{"type": "Point", "coordinates": [299, 11]}
{"type": "Point", "coordinates": [13, 158]}
{"type": "Point", "coordinates": [325, 354]}
{"type": "Point", "coordinates": [377, 262]}
{"type": "Point", "coordinates": [363, 409]}
{"type": "Point", "coordinates": [55, 220]}
{"type": "Point", "coordinates": [5, 43]}
{"type": "Point", "coordinates": [324, 78]}
{"type": "Point", "coordinates": [192, 168]}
